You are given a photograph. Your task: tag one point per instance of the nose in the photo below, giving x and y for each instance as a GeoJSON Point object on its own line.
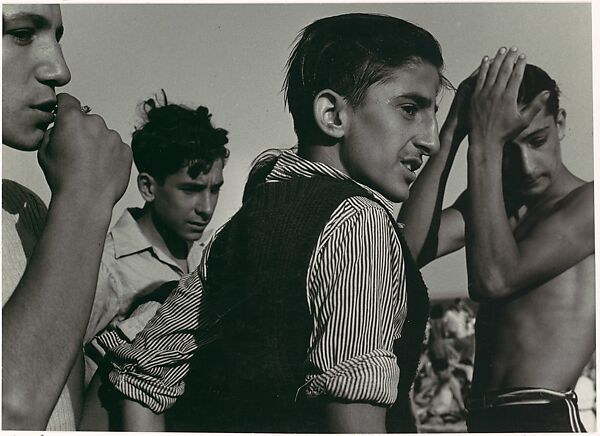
{"type": "Point", "coordinates": [52, 70]}
{"type": "Point", "coordinates": [528, 164]}
{"type": "Point", "coordinates": [428, 139]}
{"type": "Point", "coordinates": [205, 205]}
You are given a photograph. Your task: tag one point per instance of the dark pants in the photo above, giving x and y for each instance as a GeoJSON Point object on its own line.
{"type": "Point", "coordinates": [525, 410]}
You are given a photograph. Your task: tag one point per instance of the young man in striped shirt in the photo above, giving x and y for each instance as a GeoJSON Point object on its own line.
{"type": "Point", "coordinates": [307, 312]}
{"type": "Point", "coordinates": [528, 231]}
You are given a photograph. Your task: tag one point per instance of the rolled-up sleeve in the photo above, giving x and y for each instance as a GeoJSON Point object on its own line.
{"type": "Point", "coordinates": [355, 291]}
{"type": "Point", "coordinates": [151, 369]}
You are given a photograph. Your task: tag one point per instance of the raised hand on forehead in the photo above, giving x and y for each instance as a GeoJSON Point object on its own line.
{"type": "Point", "coordinates": [495, 115]}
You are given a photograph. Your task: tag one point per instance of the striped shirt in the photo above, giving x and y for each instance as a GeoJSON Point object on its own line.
{"type": "Point", "coordinates": [356, 295]}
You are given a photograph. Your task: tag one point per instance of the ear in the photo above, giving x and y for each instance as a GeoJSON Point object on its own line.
{"type": "Point", "coordinates": [331, 113]}
{"type": "Point", "coordinates": [147, 186]}
{"type": "Point", "coordinates": [561, 123]}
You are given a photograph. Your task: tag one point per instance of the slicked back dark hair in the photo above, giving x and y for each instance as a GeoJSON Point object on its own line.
{"type": "Point", "coordinates": [347, 54]}
{"type": "Point", "coordinates": [536, 80]}
{"type": "Point", "coordinates": [174, 136]}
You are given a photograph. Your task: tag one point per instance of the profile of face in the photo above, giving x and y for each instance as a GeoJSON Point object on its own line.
{"type": "Point", "coordinates": [185, 205]}
{"type": "Point", "coordinates": [32, 67]}
{"type": "Point", "coordinates": [532, 160]}
{"type": "Point", "coordinates": [391, 130]}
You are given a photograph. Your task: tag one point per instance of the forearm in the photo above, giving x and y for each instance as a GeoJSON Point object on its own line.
{"type": "Point", "coordinates": [44, 320]}
{"type": "Point", "coordinates": [355, 418]}
{"type": "Point", "coordinates": [136, 417]}
{"type": "Point", "coordinates": [422, 211]}
{"type": "Point", "coordinates": [492, 253]}
{"type": "Point", "coordinates": [150, 370]}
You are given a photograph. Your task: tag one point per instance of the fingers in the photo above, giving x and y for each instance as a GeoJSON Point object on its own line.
{"type": "Point", "coordinates": [516, 78]}
{"type": "Point", "coordinates": [492, 73]}
{"type": "Point", "coordinates": [44, 146]}
{"type": "Point", "coordinates": [536, 105]}
{"type": "Point", "coordinates": [506, 69]}
{"type": "Point", "coordinates": [482, 75]}
{"type": "Point", "coordinates": [46, 139]}
{"type": "Point", "coordinates": [65, 101]}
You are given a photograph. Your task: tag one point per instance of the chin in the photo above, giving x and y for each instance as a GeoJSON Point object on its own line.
{"type": "Point", "coordinates": [24, 142]}
{"type": "Point", "coordinates": [396, 196]}
{"type": "Point", "coordinates": [192, 237]}
{"type": "Point", "coordinates": [534, 192]}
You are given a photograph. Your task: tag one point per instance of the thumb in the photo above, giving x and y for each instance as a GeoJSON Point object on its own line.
{"type": "Point", "coordinates": [64, 100]}
{"type": "Point", "coordinates": [45, 141]}
{"type": "Point", "coordinates": [536, 105]}
{"type": "Point", "coordinates": [43, 150]}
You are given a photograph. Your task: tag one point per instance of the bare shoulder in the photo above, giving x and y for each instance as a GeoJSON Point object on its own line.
{"type": "Point", "coordinates": [570, 218]}
{"type": "Point", "coordinates": [580, 201]}
{"type": "Point", "coordinates": [584, 192]}
{"type": "Point", "coordinates": [573, 215]}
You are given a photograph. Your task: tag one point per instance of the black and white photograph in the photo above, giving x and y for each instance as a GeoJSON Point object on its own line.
{"type": "Point", "coordinates": [298, 217]}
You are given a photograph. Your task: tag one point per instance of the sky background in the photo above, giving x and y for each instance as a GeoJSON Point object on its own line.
{"type": "Point", "coordinates": [231, 59]}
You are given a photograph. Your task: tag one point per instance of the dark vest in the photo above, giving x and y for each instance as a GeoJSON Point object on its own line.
{"type": "Point", "coordinates": [256, 285]}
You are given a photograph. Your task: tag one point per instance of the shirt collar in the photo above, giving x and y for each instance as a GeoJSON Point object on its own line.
{"type": "Point", "coordinates": [289, 165]}
{"type": "Point", "coordinates": [127, 235]}
{"type": "Point", "coordinates": [128, 238]}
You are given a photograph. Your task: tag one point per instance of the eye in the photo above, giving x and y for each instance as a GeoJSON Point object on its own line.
{"type": "Point", "coordinates": [22, 36]}
{"type": "Point", "coordinates": [538, 142]}
{"type": "Point", "coordinates": [410, 110]}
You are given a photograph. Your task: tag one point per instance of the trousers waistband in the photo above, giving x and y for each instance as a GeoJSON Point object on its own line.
{"type": "Point", "coordinates": [520, 396]}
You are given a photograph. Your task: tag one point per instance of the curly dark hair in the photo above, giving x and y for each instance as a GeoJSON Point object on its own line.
{"type": "Point", "coordinates": [174, 136]}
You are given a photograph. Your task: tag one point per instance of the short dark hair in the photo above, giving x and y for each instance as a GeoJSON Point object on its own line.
{"type": "Point", "coordinates": [536, 80]}
{"type": "Point", "coordinates": [174, 136]}
{"type": "Point", "coordinates": [347, 54]}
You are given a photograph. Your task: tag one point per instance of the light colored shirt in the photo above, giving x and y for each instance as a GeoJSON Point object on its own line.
{"type": "Point", "coordinates": [457, 323]}
{"type": "Point", "coordinates": [356, 292]}
{"type": "Point", "coordinates": [132, 267]}
{"type": "Point", "coordinates": [23, 220]}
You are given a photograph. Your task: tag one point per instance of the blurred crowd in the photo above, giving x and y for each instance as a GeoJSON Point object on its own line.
{"type": "Point", "coordinates": [446, 370]}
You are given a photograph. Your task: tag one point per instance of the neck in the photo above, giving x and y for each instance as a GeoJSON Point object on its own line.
{"type": "Point", "coordinates": [162, 237]}
{"type": "Point", "coordinates": [327, 154]}
{"type": "Point", "coordinates": [562, 183]}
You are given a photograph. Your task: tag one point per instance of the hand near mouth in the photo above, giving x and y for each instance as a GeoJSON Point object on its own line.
{"type": "Point", "coordinates": [81, 156]}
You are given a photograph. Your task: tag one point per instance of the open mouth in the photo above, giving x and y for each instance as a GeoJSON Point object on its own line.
{"type": "Point", "coordinates": [412, 164]}
{"type": "Point", "coordinates": [46, 112]}
{"type": "Point", "coordinates": [49, 106]}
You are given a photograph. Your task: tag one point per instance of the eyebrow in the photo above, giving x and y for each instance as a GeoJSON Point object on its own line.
{"type": "Point", "coordinates": [537, 132]}
{"type": "Point", "coordinates": [200, 185]}
{"type": "Point", "coordinates": [419, 99]}
{"type": "Point", "coordinates": [39, 21]}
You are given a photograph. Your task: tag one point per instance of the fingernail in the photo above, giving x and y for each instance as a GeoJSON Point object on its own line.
{"type": "Point", "coordinates": [522, 56]}
{"type": "Point", "coordinates": [486, 58]}
{"type": "Point", "coordinates": [502, 50]}
{"type": "Point", "coordinates": [513, 49]}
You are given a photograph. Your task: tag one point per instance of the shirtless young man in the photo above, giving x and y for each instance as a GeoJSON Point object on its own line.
{"type": "Point", "coordinates": [50, 258]}
{"type": "Point", "coordinates": [528, 225]}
